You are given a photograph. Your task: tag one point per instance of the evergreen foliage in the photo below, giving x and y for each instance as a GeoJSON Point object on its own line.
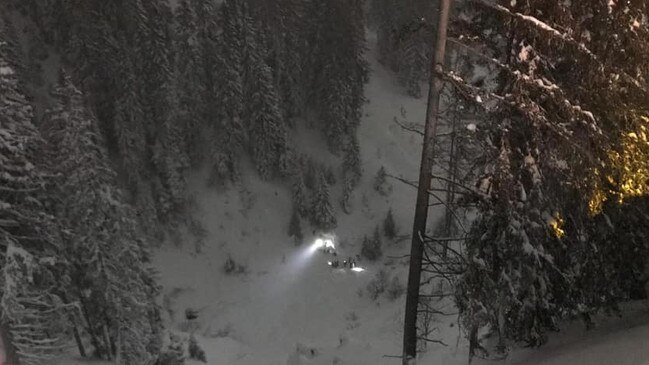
{"type": "Point", "coordinates": [322, 212]}
{"type": "Point", "coordinates": [106, 257]}
{"type": "Point", "coordinates": [371, 247]}
{"type": "Point", "coordinates": [389, 227]}
{"type": "Point", "coordinates": [404, 35]}
{"type": "Point", "coordinates": [195, 351]}
{"type": "Point", "coordinates": [159, 92]}
{"type": "Point", "coordinates": [570, 103]}
{"type": "Point", "coordinates": [33, 313]}
{"type": "Point", "coordinates": [295, 229]}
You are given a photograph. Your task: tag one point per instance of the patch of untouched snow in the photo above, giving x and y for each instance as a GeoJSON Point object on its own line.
{"type": "Point", "coordinates": [620, 341]}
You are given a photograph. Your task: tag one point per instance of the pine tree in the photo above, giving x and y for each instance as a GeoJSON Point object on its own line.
{"type": "Point", "coordinates": [352, 171]}
{"type": "Point", "coordinates": [300, 198]}
{"type": "Point", "coordinates": [323, 215]}
{"type": "Point", "coordinates": [336, 68]}
{"type": "Point", "coordinates": [33, 314]}
{"type": "Point", "coordinates": [371, 247]}
{"type": "Point", "coordinates": [404, 33]}
{"type": "Point", "coordinates": [106, 256]}
{"type": "Point", "coordinates": [268, 136]}
{"type": "Point", "coordinates": [413, 64]}
{"type": "Point", "coordinates": [351, 163]}
{"type": "Point", "coordinates": [194, 350]}
{"type": "Point", "coordinates": [230, 133]}
{"type": "Point", "coordinates": [295, 229]}
{"type": "Point", "coordinates": [389, 227]}
{"type": "Point", "coordinates": [348, 191]}
{"type": "Point", "coordinates": [310, 173]}
{"type": "Point", "coordinates": [188, 82]}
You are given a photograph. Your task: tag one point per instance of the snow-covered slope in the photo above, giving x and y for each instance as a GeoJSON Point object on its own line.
{"type": "Point", "coordinates": [288, 307]}
{"type": "Point", "coordinates": [288, 295]}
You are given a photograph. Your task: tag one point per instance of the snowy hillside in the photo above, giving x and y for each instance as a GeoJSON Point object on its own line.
{"type": "Point", "coordinates": [288, 295]}
{"type": "Point", "coordinates": [289, 302]}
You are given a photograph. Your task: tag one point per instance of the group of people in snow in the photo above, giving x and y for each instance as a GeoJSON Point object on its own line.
{"type": "Point", "coordinates": [350, 262]}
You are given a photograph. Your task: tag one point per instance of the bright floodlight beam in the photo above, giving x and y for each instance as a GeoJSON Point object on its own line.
{"type": "Point", "coordinates": [358, 269]}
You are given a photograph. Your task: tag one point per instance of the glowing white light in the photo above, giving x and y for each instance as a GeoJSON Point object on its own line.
{"type": "Point", "coordinates": [329, 244]}
{"type": "Point", "coordinates": [319, 243]}
{"type": "Point", "coordinates": [329, 263]}
{"type": "Point", "coordinates": [358, 269]}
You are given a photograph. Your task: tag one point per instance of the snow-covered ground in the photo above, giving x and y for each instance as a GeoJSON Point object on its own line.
{"type": "Point", "coordinates": [290, 308]}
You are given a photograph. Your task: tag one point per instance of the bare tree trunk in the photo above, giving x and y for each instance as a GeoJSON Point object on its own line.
{"type": "Point", "coordinates": [421, 208]}
{"type": "Point", "coordinates": [77, 339]}
{"type": "Point", "coordinates": [450, 186]}
{"type": "Point", "coordinates": [94, 339]}
{"type": "Point", "coordinates": [11, 357]}
{"type": "Point", "coordinates": [109, 353]}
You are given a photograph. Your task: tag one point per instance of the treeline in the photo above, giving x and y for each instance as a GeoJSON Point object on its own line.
{"type": "Point", "coordinates": [143, 94]}
{"type": "Point", "coordinates": [205, 82]}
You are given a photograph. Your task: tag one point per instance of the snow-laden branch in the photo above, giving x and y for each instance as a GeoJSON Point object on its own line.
{"type": "Point", "coordinates": [553, 32]}
{"type": "Point", "coordinates": [541, 85]}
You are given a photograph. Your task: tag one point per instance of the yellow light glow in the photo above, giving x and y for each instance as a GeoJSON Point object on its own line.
{"type": "Point", "coordinates": [557, 226]}
{"type": "Point", "coordinates": [628, 167]}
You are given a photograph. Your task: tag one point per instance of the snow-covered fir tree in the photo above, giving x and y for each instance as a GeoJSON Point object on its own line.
{"type": "Point", "coordinates": [352, 169]}
{"type": "Point", "coordinates": [371, 247]}
{"type": "Point", "coordinates": [323, 215]}
{"type": "Point", "coordinates": [188, 84]}
{"type": "Point", "coordinates": [553, 149]}
{"type": "Point", "coordinates": [337, 69]}
{"type": "Point", "coordinates": [107, 259]}
{"type": "Point", "coordinates": [295, 228]}
{"type": "Point", "coordinates": [404, 34]}
{"type": "Point", "coordinates": [268, 137]}
{"type": "Point", "coordinates": [33, 314]}
{"type": "Point", "coordinates": [300, 195]}
{"type": "Point", "coordinates": [389, 226]}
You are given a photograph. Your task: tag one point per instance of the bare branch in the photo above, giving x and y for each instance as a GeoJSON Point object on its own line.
{"type": "Point", "coordinates": [409, 129]}
{"type": "Point", "coordinates": [433, 341]}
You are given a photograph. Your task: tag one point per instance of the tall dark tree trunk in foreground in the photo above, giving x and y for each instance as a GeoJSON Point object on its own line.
{"type": "Point", "coordinates": [421, 209]}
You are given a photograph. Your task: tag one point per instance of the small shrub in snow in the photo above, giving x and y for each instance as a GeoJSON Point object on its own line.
{"type": "Point", "coordinates": [377, 286]}
{"type": "Point", "coordinates": [396, 289]}
{"type": "Point", "coordinates": [191, 313]}
{"type": "Point", "coordinates": [195, 351]}
{"type": "Point", "coordinates": [389, 227]}
{"type": "Point", "coordinates": [174, 354]}
{"type": "Point", "coordinates": [247, 200]}
{"type": "Point", "coordinates": [295, 228]}
{"type": "Point", "coordinates": [381, 183]}
{"type": "Point", "coordinates": [330, 177]}
{"type": "Point", "coordinates": [351, 316]}
{"type": "Point", "coordinates": [220, 332]}
{"type": "Point", "coordinates": [232, 267]}
{"type": "Point", "coordinates": [371, 248]}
